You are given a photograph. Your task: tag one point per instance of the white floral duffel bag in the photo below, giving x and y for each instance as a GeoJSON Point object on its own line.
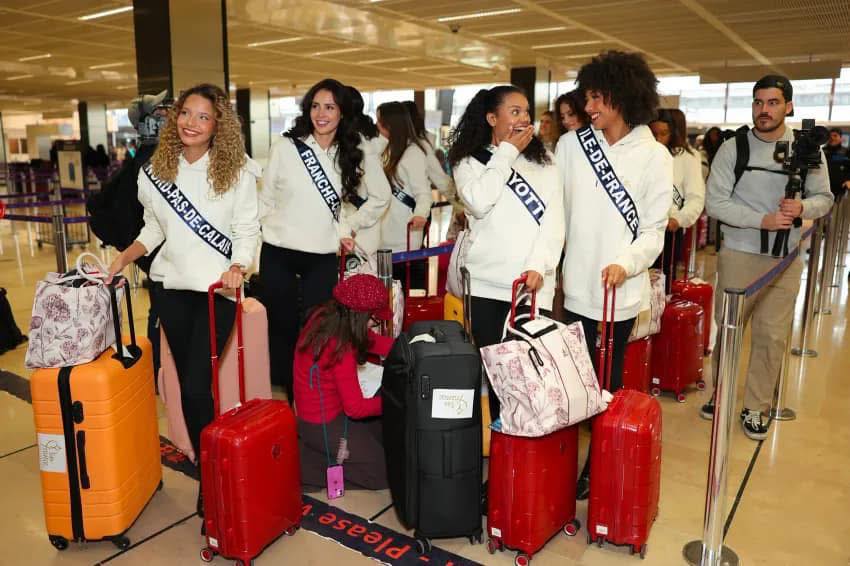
{"type": "Point", "coordinates": [71, 321]}
{"type": "Point", "coordinates": [543, 376]}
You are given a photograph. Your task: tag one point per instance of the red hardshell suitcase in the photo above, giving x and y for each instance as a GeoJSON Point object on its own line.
{"type": "Point", "coordinates": [250, 468]}
{"type": "Point", "coordinates": [677, 350]}
{"type": "Point", "coordinates": [625, 463]}
{"type": "Point", "coordinates": [636, 365]}
{"type": "Point", "coordinates": [531, 491]}
{"type": "Point", "coordinates": [420, 308]}
{"type": "Point", "coordinates": [698, 291]}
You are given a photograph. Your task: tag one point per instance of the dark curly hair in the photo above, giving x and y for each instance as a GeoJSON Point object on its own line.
{"type": "Point", "coordinates": [349, 156]}
{"type": "Point", "coordinates": [626, 83]}
{"type": "Point", "coordinates": [473, 132]}
{"type": "Point", "coordinates": [362, 122]}
{"type": "Point", "coordinates": [575, 100]}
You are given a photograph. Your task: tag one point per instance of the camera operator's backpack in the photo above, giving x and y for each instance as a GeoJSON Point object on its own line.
{"type": "Point", "coordinates": [115, 212]}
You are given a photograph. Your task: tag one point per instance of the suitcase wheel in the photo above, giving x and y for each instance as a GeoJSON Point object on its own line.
{"type": "Point", "coordinates": [423, 545]}
{"type": "Point", "coordinates": [291, 530]}
{"type": "Point", "coordinates": [61, 543]}
{"type": "Point", "coordinates": [643, 551]}
{"type": "Point", "coordinates": [121, 542]}
{"type": "Point", "coordinates": [159, 487]}
{"type": "Point", "coordinates": [493, 545]}
{"type": "Point", "coordinates": [476, 539]}
{"type": "Point", "coordinates": [571, 528]}
{"type": "Point", "coordinates": [522, 559]}
{"type": "Point", "coordinates": [656, 391]}
{"type": "Point", "coordinates": [680, 397]}
{"type": "Point", "coordinates": [207, 554]}
{"type": "Point", "coordinates": [701, 385]}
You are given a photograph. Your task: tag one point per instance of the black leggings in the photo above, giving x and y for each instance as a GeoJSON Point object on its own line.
{"type": "Point", "coordinates": [488, 321]}
{"type": "Point", "coordinates": [185, 320]}
{"type": "Point", "coordinates": [287, 304]}
{"type": "Point", "coordinates": [622, 329]}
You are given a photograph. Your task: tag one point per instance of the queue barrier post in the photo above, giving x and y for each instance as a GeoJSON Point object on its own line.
{"type": "Point", "coordinates": [710, 551]}
{"type": "Point", "coordinates": [779, 412]}
{"type": "Point", "coordinates": [59, 234]}
{"type": "Point", "coordinates": [811, 284]}
{"type": "Point", "coordinates": [385, 274]}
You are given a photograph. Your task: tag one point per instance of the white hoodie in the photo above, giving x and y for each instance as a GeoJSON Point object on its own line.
{"type": "Point", "coordinates": [413, 180]}
{"type": "Point", "coordinates": [597, 234]}
{"type": "Point", "coordinates": [690, 184]}
{"type": "Point", "coordinates": [186, 261]}
{"type": "Point", "coordinates": [293, 213]}
{"type": "Point", "coordinates": [506, 239]}
{"type": "Point", "coordinates": [374, 187]}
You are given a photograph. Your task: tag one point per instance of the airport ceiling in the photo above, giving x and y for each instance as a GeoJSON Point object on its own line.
{"type": "Point", "coordinates": [49, 56]}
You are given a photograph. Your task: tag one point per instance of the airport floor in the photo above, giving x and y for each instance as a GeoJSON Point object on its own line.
{"type": "Point", "coordinates": [793, 511]}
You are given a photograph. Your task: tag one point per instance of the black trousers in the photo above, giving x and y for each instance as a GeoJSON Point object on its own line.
{"type": "Point", "coordinates": [185, 319]}
{"type": "Point", "coordinates": [622, 329]}
{"type": "Point", "coordinates": [418, 274]}
{"type": "Point", "coordinates": [365, 467]}
{"type": "Point", "coordinates": [488, 321]}
{"type": "Point", "coordinates": [673, 252]}
{"type": "Point", "coordinates": [288, 303]}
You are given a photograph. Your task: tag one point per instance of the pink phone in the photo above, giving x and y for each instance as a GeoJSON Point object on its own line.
{"type": "Point", "coordinates": [336, 483]}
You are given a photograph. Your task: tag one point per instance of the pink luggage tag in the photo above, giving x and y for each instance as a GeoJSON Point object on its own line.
{"type": "Point", "coordinates": [336, 483]}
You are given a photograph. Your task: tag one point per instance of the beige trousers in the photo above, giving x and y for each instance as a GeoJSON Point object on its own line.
{"type": "Point", "coordinates": [769, 312]}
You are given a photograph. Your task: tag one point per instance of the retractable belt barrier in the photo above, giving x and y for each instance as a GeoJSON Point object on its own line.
{"type": "Point", "coordinates": [710, 551]}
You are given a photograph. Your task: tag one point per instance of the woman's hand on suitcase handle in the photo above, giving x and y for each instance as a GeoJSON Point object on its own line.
{"type": "Point", "coordinates": [233, 277]}
{"type": "Point", "coordinates": [347, 244]}
{"type": "Point", "coordinates": [533, 280]}
{"type": "Point", "coordinates": [613, 275]}
{"type": "Point", "coordinates": [133, 252]}
{"type": "Point", "coordinates": [417, 222]}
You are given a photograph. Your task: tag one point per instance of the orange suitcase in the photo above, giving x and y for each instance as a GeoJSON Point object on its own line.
{"type": "Point", "coordinates": [98, 442]}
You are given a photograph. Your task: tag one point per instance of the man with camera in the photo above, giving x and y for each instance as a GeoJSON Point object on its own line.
{"type": "Point", "coordinates": [747, 192]}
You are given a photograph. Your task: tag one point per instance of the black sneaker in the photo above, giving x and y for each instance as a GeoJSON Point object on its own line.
{"type": "Point", "coordinates": [707, 410]}
{"type": "Point", "coordinates": [755, 424]}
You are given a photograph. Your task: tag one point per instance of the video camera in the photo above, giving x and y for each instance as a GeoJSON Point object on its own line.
{"type": "Point", "coordinates": [803, 154]}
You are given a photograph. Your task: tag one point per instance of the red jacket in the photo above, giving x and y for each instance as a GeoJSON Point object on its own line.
{"type": "Point", "coordinates": [340, 387]}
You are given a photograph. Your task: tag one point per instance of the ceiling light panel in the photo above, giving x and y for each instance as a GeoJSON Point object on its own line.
{"type": "Point", "coordinates": [35, 57]}
{"type": "Point", "coordinates": [274, 41]}
{"type": "Point", "coordinates": [567, 44]}
{"type": "Point", "coordinates": [107, 66]}
{"type": "Point", "coordinates": [525, 31]}
{"type": "Point", "coordinates": [106, 13]}
{"type": "Point", "coordinates": [476, 15]}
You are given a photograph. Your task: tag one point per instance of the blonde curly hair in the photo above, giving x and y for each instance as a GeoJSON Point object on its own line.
{"type": "Point", "coordinates": [227, 146]}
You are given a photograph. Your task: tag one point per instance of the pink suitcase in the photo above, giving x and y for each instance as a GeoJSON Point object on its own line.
{"type": "Point", "coordinates": [257, 382]}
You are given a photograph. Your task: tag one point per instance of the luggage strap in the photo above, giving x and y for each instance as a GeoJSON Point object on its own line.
{"type": "Point", "coordinates": [519, 187]}
{"type": "Point", "coordinates": [190, 215]}
{"type": "Point", "coordinates": [607, 178]}
{"type": "Point", "coordinates": [314, 369]}
{"type": "Point", "coordinates": [319, 177]}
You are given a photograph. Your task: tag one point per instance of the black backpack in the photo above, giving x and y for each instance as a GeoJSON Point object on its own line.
{"type": "Point", "coordinates": [10, 334]}
{"type": "Point", "coordinates": [116, 215]}
{"type": "Point", "coordinates": [742, 164]}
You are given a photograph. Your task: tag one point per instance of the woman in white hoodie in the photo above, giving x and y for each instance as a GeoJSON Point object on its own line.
{"type": "Point", "coordinates": [199, 194]}
{"type": "Point", "coordinates": [688, 184]}
{"type": "Point", "coordinates": [313, 171]}
{"type": "Point", "coordinates": [618, 185]}
{"type": "Point", "coordinates": [513, 195]}
{"type": "Point", "coordinates": [405, 165]}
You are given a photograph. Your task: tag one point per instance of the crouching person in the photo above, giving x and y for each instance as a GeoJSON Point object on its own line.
{"type": "Point", "coordinates": [336, 424]}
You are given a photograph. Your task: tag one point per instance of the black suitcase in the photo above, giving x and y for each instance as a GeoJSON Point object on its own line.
{"type": "Point", "coordinates": [432, 432]}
